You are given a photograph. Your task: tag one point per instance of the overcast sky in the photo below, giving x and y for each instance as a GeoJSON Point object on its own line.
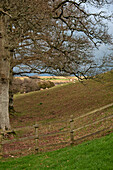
{"type": "Point", "coordinates": [104, 49]}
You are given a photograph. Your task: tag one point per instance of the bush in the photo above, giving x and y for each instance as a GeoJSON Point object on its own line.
{"type": "Point", "coordinates": [27, 85]}
{"type": "Point", "coordinates": [49, 84]}
{"type": "Point", "coordinates": [42, 84]}
{"type": "Point", "coordinates": [45, 84]}
{"type": "Point", "coordinates": [52, 84]}
{"type": "Point", "coordinates": [24, 85]}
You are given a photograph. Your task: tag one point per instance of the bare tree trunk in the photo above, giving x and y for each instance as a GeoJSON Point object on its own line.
{"type": "Point", "coordinates": [4, 76]}
{"type": "Point", "coordinates": [11, 102]}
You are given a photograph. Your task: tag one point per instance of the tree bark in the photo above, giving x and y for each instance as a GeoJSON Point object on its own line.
{"type": "Point", "coordinates": [11, 102]}
{"type": "Point", "coordinates": [4, 76]}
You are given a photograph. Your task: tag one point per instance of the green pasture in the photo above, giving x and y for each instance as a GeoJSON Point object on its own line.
{"type": "Point", "coordinates": [92, 155]}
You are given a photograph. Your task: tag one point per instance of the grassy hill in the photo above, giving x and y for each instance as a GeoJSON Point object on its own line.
{"type": "Point", "coordinates": [60, 102]}
{"type": "Point", "coordinates": [50, 106]}
{"type": "Point", "coordinates": [93, 155]}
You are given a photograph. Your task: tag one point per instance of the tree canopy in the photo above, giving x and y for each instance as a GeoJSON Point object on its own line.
{"type": "Point", "coordinates": [41, 32]}
{"type": "Point", "coordinates": [53, 36]}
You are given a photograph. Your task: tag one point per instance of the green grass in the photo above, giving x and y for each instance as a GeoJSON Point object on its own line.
{"type": "Point", "coordinates": [92, 155]}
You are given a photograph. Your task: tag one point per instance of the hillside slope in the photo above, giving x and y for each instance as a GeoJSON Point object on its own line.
{"type": "Point", "coordinates": [62, 101]}
{"type": "Point", "coordinates": [50, 106]}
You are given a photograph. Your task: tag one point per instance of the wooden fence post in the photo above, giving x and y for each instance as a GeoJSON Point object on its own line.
{"type": "Point", "coordinates": [71, 130]}
{"type": "Point", "coordinates": [1, 151]}
{"type": "Point", "coordinates": [36, 138]}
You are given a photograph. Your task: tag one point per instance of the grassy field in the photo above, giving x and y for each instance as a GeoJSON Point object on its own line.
{"type": "Point", "coordinates": [57, 104]}
{"type": "Point", "coordinates": [92, 155]}
{"type": "Point", "coordinates": [60, 102]}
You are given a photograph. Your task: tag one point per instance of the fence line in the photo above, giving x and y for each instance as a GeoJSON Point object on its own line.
{"type": "Point", "coordinates": [21, 128]}
{"type": "Point", "coordinates": [94, 133]}
{"type": "Point", "coordinates": [62, 121]}
{"type": "Point", "coordinates": [71, 130]}
{"type": "Point", "coordinates": [98, 121]}
{"type": "Point", "coordinates": [37, 136]}
{"type": "Point", "coordinates": [94, 111]}
{"type": "Point", "coordinates": [18, 139]}
{"type": "Point", "coordinates": [30, 127]}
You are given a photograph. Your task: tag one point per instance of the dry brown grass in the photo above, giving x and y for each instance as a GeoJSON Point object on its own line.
{"type": "Point", "coordinates": [62, 101]}
{"type": "Point", "coordinates": [58, 103]}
